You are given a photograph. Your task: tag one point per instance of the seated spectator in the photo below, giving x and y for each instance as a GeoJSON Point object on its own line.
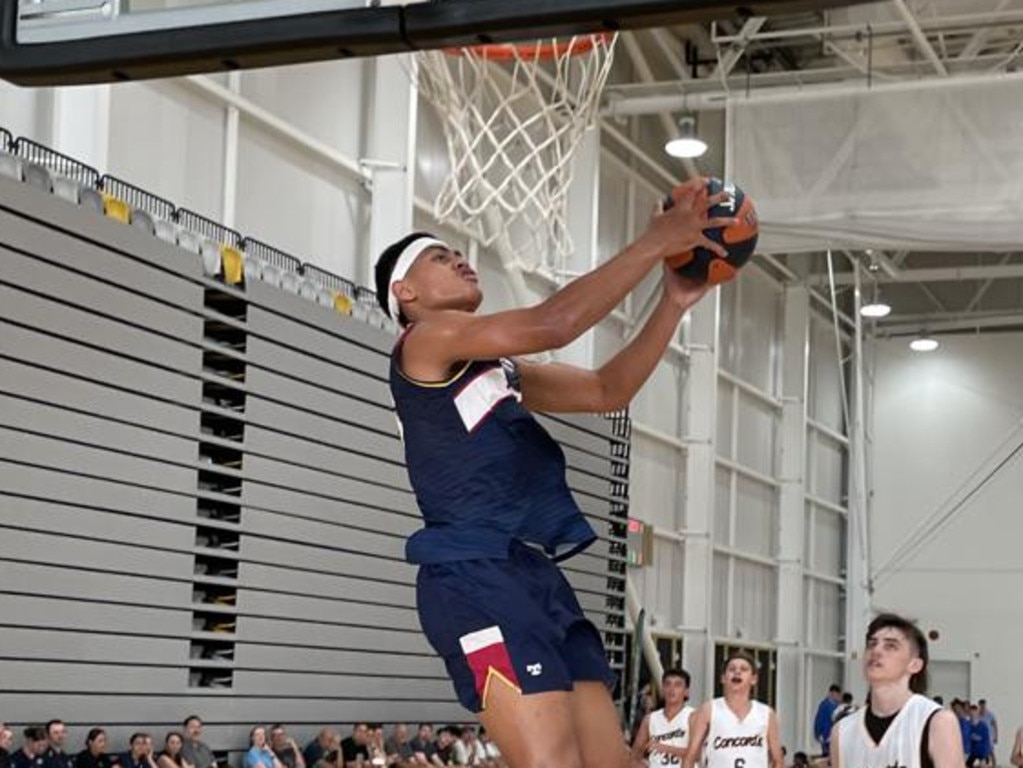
{"type": "Point", "coordinates": [319, 746]}
{"type": "Point", "coordinates": [285, 748]}
{"type": "Point", "coordinates": [6, 740]}
{"type": "Point", "coordinates": [376, 747]}
{"type": "Point", "coordinates": [466, 749]}
{"type": "Point", "coordinates": [800, 760]}
{"type": "Point", "coordinates": [260, 755]}
{"type": "Point", "coordinates": [173, 755]}
{"type": "Point", "coordinates": [55, 756]}
{"type": "Point", "coordinates": [95, 753]}
{"type": "Point", "coordinates": [140, 755]}
{"type": "Point", "coordinates": [31, 753]}
{"type": "Point", "coordinates": [491, 753]}
{"type": "Point", "coordinates": [355, 748]}
{"type": "Point", "coordinates": [446, 738]}
{"type": "Point", "coordinates": [195, 750]}
{"type": "Point", "coordinates": [424, 749]}
{"type": "Point", "coordinates": [332, 758]}
{"type": "Point", "coordinates": [398, 748]}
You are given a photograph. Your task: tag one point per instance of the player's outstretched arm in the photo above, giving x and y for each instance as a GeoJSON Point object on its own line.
{"type": "Point", "coordinates": [559, 388]}
{"type": "Point", "coordinates": [699, 726]}
{"type": "Point", "coordinates": [834, 753]}
{"type": "Point", "coordinates": [774, 741]}
{"type": "Point", "coordinates": [640, 743]}
{"type": "Point", "coordinates": [945, 741]}
{"type": "Point", "coordinates": [449, 337]}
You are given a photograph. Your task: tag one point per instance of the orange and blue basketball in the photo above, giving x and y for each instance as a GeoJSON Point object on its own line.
{"type": "Point", "coordinates": [739, 239]}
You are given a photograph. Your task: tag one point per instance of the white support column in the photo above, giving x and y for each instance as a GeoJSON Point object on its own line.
{"type": "Point", "coordinates": [390, 155]}
{"type": "Point", "coordinates": [700, 435]}
{"type": "Point", "coordinates": [583, 210]}
{"type": "Point", "coordinates": [80, 123]}
{"type": "Point", "coordinates": [229, 197]}
{"type": "Point", "coordinates": [792, 513]}
{"type": "Point", "coordinates": [858, 597]}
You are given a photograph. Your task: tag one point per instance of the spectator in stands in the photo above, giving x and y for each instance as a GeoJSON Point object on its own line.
{"type": "Point", "coordinates": [398, 748]}
{"type": "Point", "coordinates": [285, 748]}
{"type": "Point", "coordinates": [260, 755]}
{"type": "Point", "coordinates": [6, 739]}
{"type": "Point", "coordinates": [992, 722]}
{"type": "Point", "coordinates": [424, 748]}
{"type": "Point", "coordinates": [800, 760]}
{"type": "Point", "coordinates": [319, 746]}
{"type": "Point", "coordinates": [355, 748]}
{"type": "Point", "coordinates": [981, 748]}
{"type": "Point", "coordinates": [490, 751]}
{"type": "Point", "coordinates": [446, 738]}
{"type": "Point", "coordinates": [172, 755]}
{"type": "Point", "coordinates": [466, 749]}
{"type": "Point", "coordinates": [377, 747]}
{"type": "Point", "coordinates": [31, 753]}
{"type": "Point", "coordinates": [332, 757]}
{"type": "Point", "coordinates": [55, 756]}
{"type": "Point", "coordinates": [822, 721]}
{"type": "Point", "coordinates": [140, 754]}
{"type": "Point", "coordinates": [195, 750]}
{"type": "Point", "coordinates": [95, 753]}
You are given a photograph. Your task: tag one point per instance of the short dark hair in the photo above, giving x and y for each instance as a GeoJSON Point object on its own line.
{"type": "Point", "coordinates": [136, 736]}
{"type": "Point", "coordinates": [385, 266]}
{"type": "Point", "coordinates": [35, 733]}
{"type": "Point", "coordinates": [677, 672]}
{"type": "Point", "coordinates": [918, 682]}
{"type": "Point", "coordinates": [189, 719]}
{"type": "Point", "coordinates": [835, 688]}
{"type": "Point", "coordinates": [745, 656]}
{"type": "Point", "coordinates": [847, 698]}
{"type": "Point", "coordinates": [51, 723]}
{"type": "Point", "coordinates": [982, 702]}
{"type": "Point", "coordinates": [939, 699]}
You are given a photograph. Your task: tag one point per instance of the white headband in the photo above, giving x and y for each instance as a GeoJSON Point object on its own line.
{"type": "Point", "coordinates": [404, 263]}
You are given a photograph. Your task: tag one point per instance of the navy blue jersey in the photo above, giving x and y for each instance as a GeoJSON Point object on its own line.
{"type": "Point", "coordinates": [484, 472]}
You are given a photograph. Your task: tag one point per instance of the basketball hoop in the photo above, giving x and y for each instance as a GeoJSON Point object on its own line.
{"type": "Point", "coordinates": [513, 116]}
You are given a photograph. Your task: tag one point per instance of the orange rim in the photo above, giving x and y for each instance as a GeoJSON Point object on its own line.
{"type": "Point", "coordinates": [545, 51]}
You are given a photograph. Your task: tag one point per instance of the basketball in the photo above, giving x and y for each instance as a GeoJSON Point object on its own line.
{"type": "Point", "coordinates": [740, 239]}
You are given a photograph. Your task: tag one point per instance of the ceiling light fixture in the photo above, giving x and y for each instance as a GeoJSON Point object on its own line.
{"type": "Point", "coordinates": [924, 344]}
{"type": "Point", "coordinates": [686, 145]}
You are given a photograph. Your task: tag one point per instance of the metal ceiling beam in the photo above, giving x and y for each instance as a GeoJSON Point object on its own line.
{"type": "Point", "coordinates": [673, 52]}
{"type": "Point", "coordinates": [646, 75]}
{"type": "Point", "coordinates": [965, 323]}
{"type": "Point", "coordinates": [936, 275]}
{"type": "Point", "coordinates": [976, 43]}
{"type": "Point", "coordinates": [920, 38]}
{"type": "Point", "coordinates": [986, 285]}
{"type": "Point", "coordinates": [729, 58]}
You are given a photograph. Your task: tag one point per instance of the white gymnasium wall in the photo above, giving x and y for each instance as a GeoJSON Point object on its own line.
{"type": "Point", "coordinates": [177, 139]}
{"type": "Point", "coordinates": [938, 419]}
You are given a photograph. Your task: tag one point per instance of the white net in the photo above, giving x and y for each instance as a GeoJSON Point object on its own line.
{"type": "Point", "coordinates": [513, 117]}
{"type": "Point", "coordinates": [925, 166]}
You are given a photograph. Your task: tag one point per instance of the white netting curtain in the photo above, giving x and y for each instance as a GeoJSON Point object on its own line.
{"type": "Point", "coordinates": [934, 166]}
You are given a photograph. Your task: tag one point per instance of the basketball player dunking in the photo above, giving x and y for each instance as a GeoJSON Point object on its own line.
{"type": "Point", "coordinates": [489, 481]}
{"type": "Point", "coordinates": [663, 735]}
{"type": "Point", "coordinates": [736, 731]}
{"type": "Point", "coordinates": [899, 727]}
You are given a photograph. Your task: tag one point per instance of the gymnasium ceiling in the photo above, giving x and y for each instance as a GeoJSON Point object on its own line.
{"type": "Point", "coordinates": [889, 40]}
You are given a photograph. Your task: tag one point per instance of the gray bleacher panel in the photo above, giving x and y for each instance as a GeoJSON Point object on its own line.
{"type": "Point", "coordinates": [205, 505]}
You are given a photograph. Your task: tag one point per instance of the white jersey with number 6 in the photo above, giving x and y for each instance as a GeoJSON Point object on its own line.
{"type": "Point", "coordinates": [735, 743]}
{"type": "Point", "coordinates": [672, 733]}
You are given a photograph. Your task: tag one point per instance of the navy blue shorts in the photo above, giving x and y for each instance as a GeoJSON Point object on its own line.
{"type": "Point", "coordinates": [514, 621]}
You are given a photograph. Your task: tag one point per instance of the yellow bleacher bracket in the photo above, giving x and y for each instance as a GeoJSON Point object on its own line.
{"type": "Point", "coordinates": [234, 264]}
{"type": "Point", "coordinates": [342, 304]}
{"type": "Point", "coordinates": [116, 209]}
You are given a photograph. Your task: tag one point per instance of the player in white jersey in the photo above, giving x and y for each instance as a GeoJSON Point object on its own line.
{"type": "Point", "coordinates": [899, 727]}
{"type": "Point", "coordinates": [663, 735]}
{"type": "Point", "coordinates": [736, 731]}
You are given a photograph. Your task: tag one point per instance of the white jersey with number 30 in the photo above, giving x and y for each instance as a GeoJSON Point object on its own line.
{"type": "Point", "coordinates": [735, 743]}
{"type": "Point", "coordinates": [672, 733]}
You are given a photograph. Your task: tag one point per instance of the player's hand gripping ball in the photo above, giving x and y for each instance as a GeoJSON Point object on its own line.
{"type": "Point", "coordinates": [739, 239]}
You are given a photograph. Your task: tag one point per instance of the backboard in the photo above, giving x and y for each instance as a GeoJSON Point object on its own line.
{"type": "Point", "coordinates": [61, 42]}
